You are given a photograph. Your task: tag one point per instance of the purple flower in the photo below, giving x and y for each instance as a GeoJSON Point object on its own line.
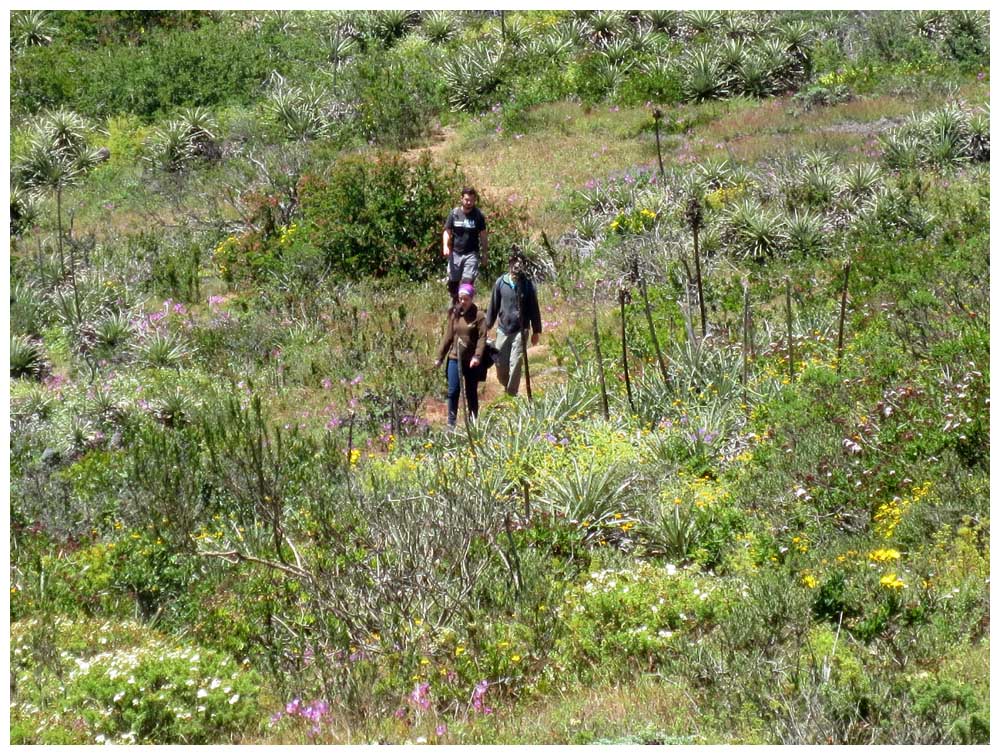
{"type": "Point", "coordinates": [400, 713]}
{"type": "Point", "coordinates": [478, 693]}
{"type": "Point", "coordinates": [357, 379]}
{"type": "Point", "coordinates": [293, 707]}
{"type": "Point", "coordinates": [441, 730]}
{"type": "Point", "coordinates": [215, 300]}
{"type": "Point", "coordinates": [326, 383]}
{"type": "Point", "coordinates": [277, 717]}
{"type": "Point", "coordinates": [420, 695]}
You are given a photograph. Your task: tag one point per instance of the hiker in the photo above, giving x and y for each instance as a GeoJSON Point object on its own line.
{"type": "Point", "coordinates": [464, 343]}
{"type": "Point", "coordinates": [465, 242]}
{"type": "Point", "coordinates": [514, 304]}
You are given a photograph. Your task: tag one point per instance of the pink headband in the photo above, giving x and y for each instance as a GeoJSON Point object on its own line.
{"type": "Point", "coordinates": [468, 289]}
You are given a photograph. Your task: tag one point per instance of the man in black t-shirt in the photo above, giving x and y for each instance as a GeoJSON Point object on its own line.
{"type": "Point", "coordinates": [464, 242]}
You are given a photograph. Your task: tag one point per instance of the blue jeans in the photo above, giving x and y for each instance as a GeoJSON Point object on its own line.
{"type": "Point", "coordinates": [455, 389]}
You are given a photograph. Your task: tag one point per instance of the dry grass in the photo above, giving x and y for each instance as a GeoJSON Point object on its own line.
{"type": "Point", "coordinates": [653, 710]}
{"type": "Point", "coordinates": [567, 145]}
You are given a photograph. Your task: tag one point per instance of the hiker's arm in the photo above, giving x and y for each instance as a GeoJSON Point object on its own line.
{"type": "Point", "coordinates": [493, 310]}
{"type": "Point", "coordinates": [446, 242]}
{"type": "Point", "coordinates": [444, 345]}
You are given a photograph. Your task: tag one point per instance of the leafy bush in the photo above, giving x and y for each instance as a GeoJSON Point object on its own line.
{"type": "Point", "coordinates": [620, 620]}
{"type": "Point", "coordinates": [380, 217]}
{"type": "Point", "coordinates": [410, 72]}
{"type": "Point", "coordinates": [211, 65]}
{"type": "Point", "coordinates": [152, 692]}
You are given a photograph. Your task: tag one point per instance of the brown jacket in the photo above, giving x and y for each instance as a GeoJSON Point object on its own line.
{"type": "Point", "coordinates": [470, 328]}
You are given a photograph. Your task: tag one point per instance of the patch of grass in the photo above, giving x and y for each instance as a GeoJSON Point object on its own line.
{"type": "Point", "coordinates": [651, 710]}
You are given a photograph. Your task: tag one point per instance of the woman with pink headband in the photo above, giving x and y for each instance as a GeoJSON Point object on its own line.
{"type": "Point", "coordinates": [464, 343]}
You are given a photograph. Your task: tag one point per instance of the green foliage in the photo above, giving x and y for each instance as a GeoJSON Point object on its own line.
{"type": "Point", "coordinates": [626, 620]}
{"type": "Point", "coordinates": [211, 65]}
{"type": "Point", "coordinates": [409, 72]}
{"type": "Point", "coordinates": [261, 473]}
{"type": "Point", "coordinates": [154, 691]}
{"type": "Point", "coordinates": [378, 217]}
{"type": "Point", "coordinates": [26, 357]}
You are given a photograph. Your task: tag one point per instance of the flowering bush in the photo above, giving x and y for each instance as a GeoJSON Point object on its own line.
{"type": "Point", "coordinates": [629, 618]}
{"type": "Point", "coordinates": [149, 690]}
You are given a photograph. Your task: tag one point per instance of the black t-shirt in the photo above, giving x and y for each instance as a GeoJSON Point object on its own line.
{"type": "Point", "coordinates": [465, 229]}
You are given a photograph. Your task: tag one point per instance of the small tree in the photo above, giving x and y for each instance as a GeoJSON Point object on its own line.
{"type": "Point", "coordinates": [56, 157]}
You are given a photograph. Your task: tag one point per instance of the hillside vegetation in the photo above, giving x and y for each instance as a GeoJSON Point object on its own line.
{"type": "Point", "coordinates": [746, 502]}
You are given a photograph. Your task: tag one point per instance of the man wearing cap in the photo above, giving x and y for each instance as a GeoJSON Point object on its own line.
{"type": "Point", "coordinates": [513, 307]}
{"type": "Point", "coordinates": [464, 242]}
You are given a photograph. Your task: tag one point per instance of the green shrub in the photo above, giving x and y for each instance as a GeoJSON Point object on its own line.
{"type": "Point", "coordinates": [211, 65]}
{"type": "Point", "coordinates": [627, 619]}
{"type": "Point", "coordinates": [410, 73]}
{"type": "Point", "coordinates": [380, 217]}
{"type": "Point", "coordinates": [147, 691]}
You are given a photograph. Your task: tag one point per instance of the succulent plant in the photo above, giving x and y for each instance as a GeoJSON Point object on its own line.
{"type": "Point", "coordinates": [754, 231]}
{"type": "Point", "coordinates": [663, 21]}
{"type": "Point", "coordinates": [389, 25]}
{"type": "Point", "coordinates": [861, 180]}
{"type": "Point", "coordinates": [473, 75]}
{"type": "Point", "coordinates": [440, 26]}
{"type": "Point", "coordinates": [702, 21]}
{"type": "Point", "coordinates": [26, 357]}
{"type": "Point", "coordinates": [806, 232]}
{"type": "Point", "coordinates": [927, 24]}
{"type": "Point", "coordinates": [704, 76]}
{"type": "Point", "coordinates": [606, 24]}
{"type": "Point", "coordinates": [163, 349]}
{"type": "Point", "coordinates": [29, 28]}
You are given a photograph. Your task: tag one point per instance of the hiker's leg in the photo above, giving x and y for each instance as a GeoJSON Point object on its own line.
{"type": "Point", "coordinates": [502, 362]}
{"type": "Point", "coordinates": [454, 275]}
{"type": "Point", "coordinates": [516, 356]}
{"type": "Point", "coordinates": [470, 268]}
{"type": "Point", "coordinates": [454, 389]}
{"type": "Point", "coordinates": [472, 394]}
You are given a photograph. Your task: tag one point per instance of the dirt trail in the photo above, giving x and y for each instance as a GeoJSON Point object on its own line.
{"type": "Point", "coordinates": [544, 371]}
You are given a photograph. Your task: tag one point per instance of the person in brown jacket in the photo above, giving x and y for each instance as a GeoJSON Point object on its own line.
{"type": "Point", "coordinates": [464, 343]}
